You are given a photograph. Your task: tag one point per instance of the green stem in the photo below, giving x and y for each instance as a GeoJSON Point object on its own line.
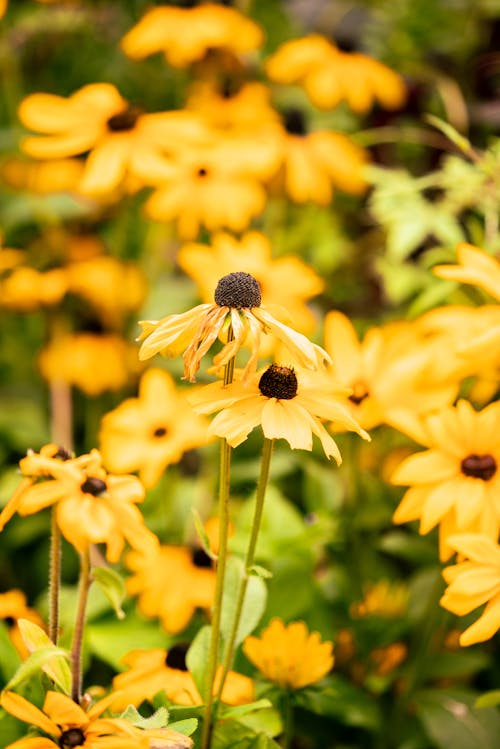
{"type": "Point", "coordinates": [223, 514]}
{"type": "Point", "coordinates": [54, 576]}
{"type": "Point", "coordinates": [267, 451]}
{"type": "Point", "coordinates": [288, 721]}
{"type": "Point", "coordinates": [76, 648]}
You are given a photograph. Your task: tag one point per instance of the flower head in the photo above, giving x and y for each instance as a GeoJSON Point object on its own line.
{"type": "Point", "coordinates": [285, 403]}
{"type": "Point", "coordinates": [237, 302]}
{"type": "Point", "coordinates": [151, 432]}
{"type": "Point", "coordinates": [289, 655]}
{"type": "Point", "coordinates": [65, 725]}
{"type": "Point", "coordinates": [150, 671]}
{"type": "Point", "coordinates": [171, 582]}
{"type": "Point", "coordinates": [13, 606]}
{"type": "Point", "coordinates": [455, 482]}
{"type": "Point", "coordinates": [475, 267]}
{"type": "Point", "coordinates": [474, 581]}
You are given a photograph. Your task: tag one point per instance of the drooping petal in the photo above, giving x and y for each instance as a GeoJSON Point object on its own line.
{"type": "Point", "coordinates": [27, 712]}
{"type": "Point", "coordinates": [283, 419]}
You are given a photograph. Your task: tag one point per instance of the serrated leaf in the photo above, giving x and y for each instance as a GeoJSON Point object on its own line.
{"type": "Point", "coordinates": [197, 657]}
{"type": "Point", "coordinates": [202, 534]}
{"type": "Point", "coordinates": [159, 719]}
{"type": "Point", "coordinates": [56, 669]}
{"type": "Point", "coordinates": [113, 587]}
{"type": "Point", "coordinates": [34, 663]}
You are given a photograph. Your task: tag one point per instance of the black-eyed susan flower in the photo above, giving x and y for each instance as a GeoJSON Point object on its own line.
{"type": "Point", "coordinates": [386, 375]}
{"type": "Point", "coordinates": [226, 107]}
{"type": "Point", "coordinates": [91, 362]}
{"type": "Point", "coordinates": [473, 582]}
{"type": "Point", "coordinates": [25, 289]}
{"type": "Point", "coordinates": [64, 724]}
{"type": "Point", "coordinates": [152, 431]}
{"type": "Point", "coordinates": [330, 76]}
{"type": "Point", "coordinates": [185, 35]}
{"type": "Point", "coordinates": [120, 139]}
{"type": "Point", "coordinates": [171, 582]}
{"type": "Point", "coordinates": [454, 483]}
{"type": "Point", "coordinates": [287, 404]}
{"type": "Point", "coordinates": [289, 655]}
{"type": "Point", "coordinates": [285, 281]}
{"type": "Point", "coordinates": [237, 302]}
{"type": "Point", "coordinates": [474, 267]}
{"type": "Point", "coordinates": [92, 506]}
{"type": "Point", "coordinates": [150, 671]}
{"type": "Point", "coordinates": [13, 606]}
{"type": "Point", "coordinates": [313, 164]}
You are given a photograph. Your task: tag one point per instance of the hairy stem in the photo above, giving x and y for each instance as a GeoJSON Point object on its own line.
{"type": "Point", "coordinates": [76, 648]}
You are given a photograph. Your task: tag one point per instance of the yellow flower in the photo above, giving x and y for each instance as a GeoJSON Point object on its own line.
{"type": "Point", "coordinates": [92, 506]}
{"type": "Point", "coordinates": [120, 139]}
{"type": "Point", "coordinates": [237, 302]}
{"type": "Point", "coordinates": [64, 725]}
{"type": "Point", "coordinates": [289, 655]}
{"type": "Point", "coordinates": [287, 405]}
{"type": "Point", "coordinates": [475, 267]}
{"type": "Point", "coordinates": [331, 76]}
{"type": "Point", "coordinates": [241, 109]}
{"type": "Point", "coordinates": [313, 164]}
{"type": "Point", "coordinates": [185, 35]}
{"type": "Point", "coordinates": [472, 582]}
{"type": "Point", "coordinates": [215, 186]}
{"type": "Point", "coordinates": [171, 583]}
{"type": "Point", "coordinates": [455, 482]}
{"type": "Point", "coordinates": [151, 671]}
{"type": "Point", "coordinates": [57, 175]}
{"type": "Point", "coordinates": [148, 433]}
{"type": "Point", "coordinates": [13, 607]}
{"type": "Point", "coordinates": [384, 598]}
{"type": "Point", "coordinates": [286, 281]}
{"type": "Point", "coordinates": [93, 363]}
{"type": "Point", "coordinates": [387, 375]}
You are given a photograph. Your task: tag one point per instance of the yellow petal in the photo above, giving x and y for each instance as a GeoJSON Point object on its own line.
{"type": "Point", "coordinates": [19, 707]}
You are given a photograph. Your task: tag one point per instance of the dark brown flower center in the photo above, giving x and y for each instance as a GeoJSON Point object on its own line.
{"type": "Point", "coordinates": [62, 454]}
{"type": "Point", "coordinates": [479, 466]}
{"type": "Point", "coordinates": [200, 558]}
{"type": "Point", "coordinates": [202, 172]}
{"type": "Point", "coordinates": [72, 737]}
{"type": "Point", "coordinates": [160, 432]}
{"type": "Point", "coordinates": [359, 393]}
{"type": "Point", "coordinates": [124, 120]}
{"type": "Point", "coordinates": [238, 290]}
{"type": "Point", "coordinates": [294, 122]}
{"type": "Point", "coordinates": [9, 621]}
{"type": "Point", "coordinates": [93, 485]}
{"type": "Point", "coordinates": [278, 382]}
{"type": "Point", "coordinates": [176, 656]}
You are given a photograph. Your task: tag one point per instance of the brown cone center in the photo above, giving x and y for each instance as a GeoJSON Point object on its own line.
{"type": "Point", "coordinates": [479, 466]}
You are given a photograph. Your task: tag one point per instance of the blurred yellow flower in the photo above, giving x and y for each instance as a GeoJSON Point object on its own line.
{"type": "Point", "coordinates": [92, 506]}
{"type": "Point", "coordinates": [385, 598]}
{"type": "Point", "coordinates": [474, 581]}
{"type": "Point", "coordinates": [152, 431]}
{"type": "Point", "coordinates": [171, 582]}
{"type": "Point", "coordinates": [91, 362]}
{"type": "Point", "coordinates": [315, 163]}
{"type": "Point", "coordinates": [286, 281]}
{"type": "Point", "coordinates": [387, 375]}
{"type": "Point", "coordinates": [243, 109]}
{"type": "Point", "coordinates": [57, 175]}
{"type": "Point", "coordinates": [13, 606]}
{"type": "Point", "coordinates": [25, 289]}
{"type": "Point", "coordinates": [238, 303]}
{"type": "Point", "coordinates": [121, 140]}
{"type": "Point", "coordinates": [289, 655]}
{"type": "Point", "coordinates": [285, 403]}
{"type": "Point", "coordinates": [475, 267]}
{"type": "Point", "coordinates": [186, 35]}
{"type": "Point", "coordinates": [151, 671]}
{"type": "Point", "coordinates": [455, 482]}
{"type": "Point", "coordinates": [331, 76]}
{"type": "Point", "coordinates": [65, 724]}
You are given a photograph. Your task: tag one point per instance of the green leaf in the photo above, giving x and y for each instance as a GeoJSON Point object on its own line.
{"type": "Point", "coordinates": [488, 699]}
{"type": "Point", "coordinates": [202, 534]}
{"type": "Point", "coordinates": [337, 698]}
{"type": "Point", "coordinates": [239, 710]}
{"type": "Point", "coordinates": [453, 665]}
{"type": "Point", "coordinates": [459, 140]}
{"type": "Point", "coordinates": [259, 571]}
{"type": "Point", "coordinates": [266, 721]}
{"type": "Point", "coordinates": [159, 719]}
{"type": "Point", "coordinates": [233, 734]}
{"type": "Point", "coordinates": [254, 603]}
{"type": "Point", "coordinates": [197, 657]}
{"type": "Point", "coordinates": [9, 657]}
{"type": "Point", "coordinates": [34, 663]}
{"type": "Point", "coordinates": [113, 587]}
{"type": "Point", "coordinates": [110, 639]}
{"type": "Point", "coordinates": [57, 668]}
{"type": "Point", "coordinates": [451, 719]}
{"type": "Point", "coordinates": [187, 727]}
